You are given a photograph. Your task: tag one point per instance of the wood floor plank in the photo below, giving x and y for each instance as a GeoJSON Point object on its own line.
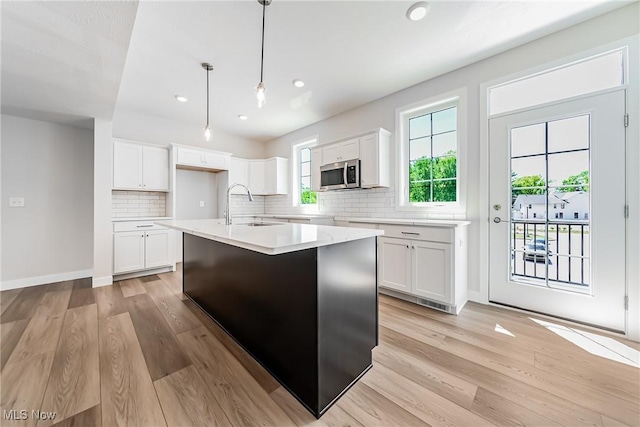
{"type": "Point", "coordinates": [243, 400]}
{"type": "Point", "coordinates": [128, 395]}
{"type": "Point", "coordinates": [421, 402]}
{"type": "Point", "coordinates": [89, 418]}
{"type": "Point", "coordinates": [10, 335]}
{"type": "Point", "coordinates": [174, 281]}
{"type": "Point", "coordinates": [82, 293]}
{"type": "Point", "coordinates": [42, 333]}
{"type": "Point", "coordinates": [24, 304]}
{"type": "Point", "coordinates": [23, 385]}
{"type": "Point", "coordinates": [74, 384]}
{"type": "Point", "coordinates": [338, 417]}
{"type": "Point", "coordinates": [110, 301]}
{"type": "Point", "coordinates": [177, 315]}
{"type": "Point", "coordinates": [7, 297]}
{"type": "Point", "coordinates": [372, 409]}
{"type": "Point", "coordinates": [132, 287]}
{"type": "Point", "coordinates": [540, 401]}
{"type": "Point", "coordinates": [264, 378]}
{"type": "Point", "coordinates": [438, 380]}
{"type": "Point", "coordinates": [294, 409]}
{"type": "Point", "coordinates": [187, 401]}
{"type": "Point", "coordinates": [161, 350]}
{"type": "Point", "coordinates": [503, 412]}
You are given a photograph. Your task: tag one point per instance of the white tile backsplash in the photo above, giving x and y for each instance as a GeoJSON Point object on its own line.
{"type": "Point", "coordinates": [240, 205]}
{"type": "Point", "coordinates": [125, 204]}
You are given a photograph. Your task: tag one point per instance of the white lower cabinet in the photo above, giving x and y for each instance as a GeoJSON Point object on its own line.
{"type": "Point", "coordinates": [140, 246]}
{"type": "Point", "coordinates": [426, 263]}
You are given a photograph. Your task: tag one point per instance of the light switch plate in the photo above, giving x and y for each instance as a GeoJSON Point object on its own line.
{"type": "Point", "coordinates": [202, 203]}
{"type": "Point", "coordinates": [16, 202]}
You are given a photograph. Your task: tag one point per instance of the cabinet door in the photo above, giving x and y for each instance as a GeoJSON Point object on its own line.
{"type": "Point", "coordinates": [368, 161]}
{"type": "Point", "coordinates": [238, 174]}
{"type": "Point", "coordinates": [216, 161]}
{"type": "Point", "coordinates": [331, 154]}
{"type": "Point", "coordinates": [127, 165]}
{"type": "Point", "coordinates": [316, 162]}
{"type": "Point", "coordinates": [257, 177]}
{"type": "Point", "coordinates": [276, 175]}
{"type": "Point", "coordinates": [157, 248]}
{"type": "Point", "coordinates": [394, 259]}
{"type": "Point", "coordinates": [128, 251]}
{"type": "Point", "coordinates": [155, 168]}
{"type": "Point", "coordinates": [350, 150]}
{"type": "Point", "coordinates": [190, 157]}
{"type": "Point", "coordinates": [431, 265]}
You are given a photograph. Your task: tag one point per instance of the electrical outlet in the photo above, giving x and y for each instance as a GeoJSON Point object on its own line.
{"type": "Point", "coordinates": [16, 202]}
{"type": "Point", "coordinates": [202, 203]}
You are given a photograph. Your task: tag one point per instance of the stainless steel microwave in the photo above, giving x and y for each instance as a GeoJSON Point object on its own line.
{"type": "Point", "coordinates": [341, 175]}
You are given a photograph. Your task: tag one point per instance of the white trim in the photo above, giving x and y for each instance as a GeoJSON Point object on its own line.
{"type": "Point", "coordinates": [141, 273]}
{"type": "Point", "coordinates": [102, 281]}
{"type": "Point", "coordinates": [459, 97]}
{"type": "Point", "coordinates": [477, 296]}
{"type": "Point", "coordinates": [43, 280]}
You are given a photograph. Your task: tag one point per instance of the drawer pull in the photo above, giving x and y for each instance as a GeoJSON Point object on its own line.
{"type": "Point", "coordinates": [410, 232]}
{"type": "Point", "coordinates": [142, 226]}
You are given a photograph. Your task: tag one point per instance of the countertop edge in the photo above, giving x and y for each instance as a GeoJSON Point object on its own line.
{"type": "Point", "coordinates": [407, 221]}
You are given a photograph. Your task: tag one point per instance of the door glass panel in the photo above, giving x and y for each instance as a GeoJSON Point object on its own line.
{"type": "Point", "coordinates": [527, 140]}
{"type": "Point", "coordinates": [550, 212]}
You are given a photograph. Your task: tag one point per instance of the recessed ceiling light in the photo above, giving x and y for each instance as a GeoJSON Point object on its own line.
{"type": "Point", "coordinates": [181, 98]}
{"type": "Point", "coordinates": [242, 117]}
{"type": "Point", "coordinates": [298, 83]}
{"type": "Point", "coordinates": [417, 11]}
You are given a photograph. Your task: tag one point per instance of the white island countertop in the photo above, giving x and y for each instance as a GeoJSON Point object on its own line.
{"type": "Point", "coordinates": [274, 239]}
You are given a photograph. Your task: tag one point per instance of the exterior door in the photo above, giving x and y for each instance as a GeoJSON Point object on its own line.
{"type": "Point", "coordinates": [557, 192]}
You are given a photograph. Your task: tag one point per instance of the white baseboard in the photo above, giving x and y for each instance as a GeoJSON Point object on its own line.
{"type": "Point", "coordinates": [42, 280]}
{"type": "Point", "coordinates": [102, 281]}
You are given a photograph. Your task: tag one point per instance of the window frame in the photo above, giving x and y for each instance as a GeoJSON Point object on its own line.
{"type": "Point", "coordinates": [296, 176]}
{"type": "Point", "coordinates": [457, 98]}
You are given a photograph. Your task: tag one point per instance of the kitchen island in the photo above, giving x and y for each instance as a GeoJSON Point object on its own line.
{"type": "Point", "coordinates": [301, 299]}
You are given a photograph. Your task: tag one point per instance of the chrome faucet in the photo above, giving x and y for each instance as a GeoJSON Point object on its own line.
{"type": "Point", "coordinates": [227, 214]}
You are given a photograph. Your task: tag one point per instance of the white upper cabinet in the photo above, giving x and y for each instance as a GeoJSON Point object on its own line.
{"type": "Point", "coordinates": [201, 159]}
{"type": "Point", "coordinates": [266, 177]}
{"type": "Point", "coordinates": [341, 151]}
{"type": "Point", "coordinates": [375, 154]}
{"type": "Point", "coordinates": [238, 174]}
{"type": "Point", "coordinates": [373, 148]}
{"type": "Point", "coordinates": [316, 162]}
{"type": "Point", "coordinates": [140, 167]}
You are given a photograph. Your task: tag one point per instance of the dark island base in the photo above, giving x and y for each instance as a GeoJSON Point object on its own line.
{"type": "Point", "coordinates": [309, 317]}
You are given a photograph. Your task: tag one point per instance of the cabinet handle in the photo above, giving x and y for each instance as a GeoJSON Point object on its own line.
{"type": "Point", "coordinates": [407, 246]}
{"type": "Point", "coordinates": [142, 226]}
{"type": "Point", "coordinates": [410, 232]}
{"type": "Point", "coordinates": [142, 235]}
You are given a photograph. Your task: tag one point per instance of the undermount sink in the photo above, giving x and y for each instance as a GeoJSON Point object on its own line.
{"type": "Point", "coordinates": [261, 224]}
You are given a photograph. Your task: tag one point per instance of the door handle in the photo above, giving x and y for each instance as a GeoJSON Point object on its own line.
{"type": "Point", "coordinates": [498, 220]}
{"type": "Point", "coordinates": [344, 174]}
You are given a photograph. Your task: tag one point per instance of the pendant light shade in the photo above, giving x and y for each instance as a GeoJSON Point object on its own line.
{"type": "Point", "coordinates": [260, 89]}
{"type": "Point", "coordinates": [207, 129]}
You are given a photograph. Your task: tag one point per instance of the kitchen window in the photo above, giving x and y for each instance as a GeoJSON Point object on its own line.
{"type": "Point", "coordinates": [430, 154]}
{"type": "Point", "coordinates": [303, 195]}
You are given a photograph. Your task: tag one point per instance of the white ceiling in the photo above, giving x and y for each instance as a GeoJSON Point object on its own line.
{"type": "Point", "coordinates": [66, 56]}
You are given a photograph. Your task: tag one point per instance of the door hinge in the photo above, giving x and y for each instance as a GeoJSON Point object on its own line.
{"type": "Point", "coordinates": [626, 211]}
{"type": "Point", "coordinates": [626, 302]}
{"type": "Point", "coordinates": [626, 120]}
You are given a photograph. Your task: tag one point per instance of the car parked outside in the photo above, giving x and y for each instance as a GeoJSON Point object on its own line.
{"type": "Point", "coordinates": [536, 252]}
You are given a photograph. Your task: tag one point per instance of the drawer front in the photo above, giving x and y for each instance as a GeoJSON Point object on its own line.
{"type": "Point", "coordinates": [135, 226]}
{"type": "Point", "coordinates": [433, 234]}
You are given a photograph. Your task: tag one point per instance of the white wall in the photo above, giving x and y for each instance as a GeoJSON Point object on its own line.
{"type": "Point", "coordinates": [103, 181]}
{"type": "Point", "coordinates": [155, 130]}
{"type": "Point", "coordinates": [51, 166]}
{"type": "Point", "coordinates": [192, 187]}
{"type": "Point", "coordinates": [617, 25]}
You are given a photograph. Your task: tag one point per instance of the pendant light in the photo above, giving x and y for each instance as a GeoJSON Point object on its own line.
{"type": "Point", "coordinates": [207, 129]}
{"type": "Point", "coordinates": [260, 89]}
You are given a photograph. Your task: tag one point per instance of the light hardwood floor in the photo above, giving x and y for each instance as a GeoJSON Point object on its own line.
{"type": "Point", "coordinates": [140, 353]}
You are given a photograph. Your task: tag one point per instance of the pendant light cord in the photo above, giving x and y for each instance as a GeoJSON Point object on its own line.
{"type": "Point", "coordinates": [207, 96]}
{"type": "Point", "coordinates": [264, 7]}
